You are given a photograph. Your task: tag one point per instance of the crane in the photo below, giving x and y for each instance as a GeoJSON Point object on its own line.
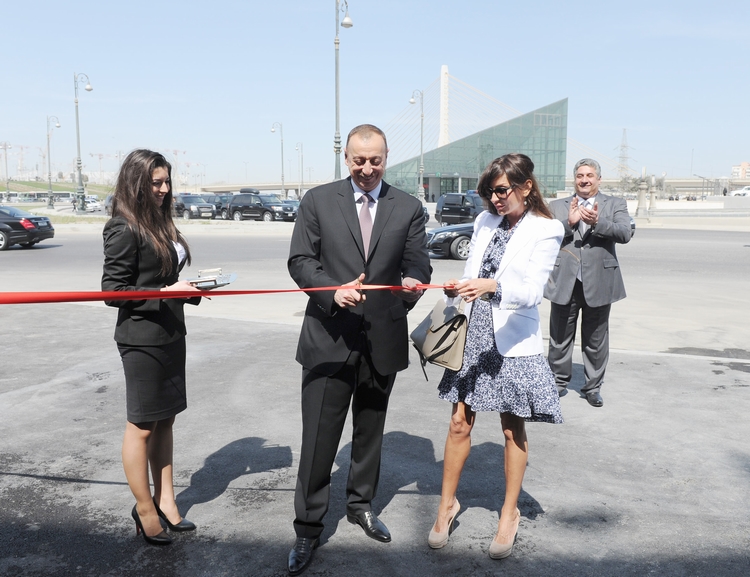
{"type": "Point", "coordinates": [101, 155]}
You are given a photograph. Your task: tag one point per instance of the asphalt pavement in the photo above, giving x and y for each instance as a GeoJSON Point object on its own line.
{"type": "Point", "coordinates": [655, 482]}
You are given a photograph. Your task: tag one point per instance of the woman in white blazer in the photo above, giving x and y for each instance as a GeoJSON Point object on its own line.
{"type": "Point", "coordinates": [513, 249]}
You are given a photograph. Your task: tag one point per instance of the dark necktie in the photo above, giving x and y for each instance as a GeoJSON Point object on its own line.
{"type": "Point", "coordinates": [365, 221]}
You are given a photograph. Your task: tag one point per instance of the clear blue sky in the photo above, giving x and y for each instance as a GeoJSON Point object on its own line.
{"type": "Point", "coordinates": [210, 78]}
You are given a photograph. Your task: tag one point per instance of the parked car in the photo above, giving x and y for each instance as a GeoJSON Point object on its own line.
{"type": "Point", "coordinates": [93, 204]}
{"type": "Point", "coordinates": [426, 214]}
{"type": "Point", "coordinates": [744, 191]}
{"type": "Point", "coordinates": [220, 202]}
{"type": "Point", "coordinates": [451, 241]}
{"type": "Point", "coordinates": [108, 205]}
{"type": "Point", "coordinates": [266, 207]}
{"type": "Point", "coordinates": [454, 208]}
{"type": "Point", "coordinates": [192, 206]}
{"type": "Point", "coordinates": [20, 227]}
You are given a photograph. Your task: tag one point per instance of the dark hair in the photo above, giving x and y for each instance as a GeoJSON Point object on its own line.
{"type": "Point", "coordinates": [134, 201]}
{"type": "Point", "coordinates": [366, 130]}
{"type": "Point", "coordinates": [518, 168]}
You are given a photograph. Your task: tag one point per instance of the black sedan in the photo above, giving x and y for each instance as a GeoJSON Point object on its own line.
{"type": "Point", "coordinates": [452, 241]}
{"type": "Point", "coordinates": [20, 227]}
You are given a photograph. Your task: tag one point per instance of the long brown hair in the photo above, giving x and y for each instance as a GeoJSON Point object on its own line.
{"type": "Point", "coordinates": [134, 201]}
{"type": "Point", "coordinates": [518, 168]}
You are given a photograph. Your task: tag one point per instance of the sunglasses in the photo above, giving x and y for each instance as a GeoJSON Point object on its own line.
{"type": "Point", "coordinates": [500, 191]}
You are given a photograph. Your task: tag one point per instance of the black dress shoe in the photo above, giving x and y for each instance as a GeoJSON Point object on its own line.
{"type": "Point", "coordinates": [594, 399]}
{"type": "Point", "coordinates": [160, 539]}
{"type": "Point", "coordinates": [301, 554]}
{"type": "Point", "coordinates": [373, 527]}
{"type": "Point", "coordinates": [183, 525]}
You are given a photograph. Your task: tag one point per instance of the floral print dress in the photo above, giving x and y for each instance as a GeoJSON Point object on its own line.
{"type": "Point", "coordinates": [487, 381]}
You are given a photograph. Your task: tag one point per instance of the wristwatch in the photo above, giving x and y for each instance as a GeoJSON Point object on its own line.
{"type": "Point", "coordinates": [487, 296]}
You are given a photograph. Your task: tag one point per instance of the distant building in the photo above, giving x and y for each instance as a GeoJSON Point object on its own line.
{"type": "Point", "coordinates": [741, 170]}
{"type": "Point", "coordinates": [541, 134]}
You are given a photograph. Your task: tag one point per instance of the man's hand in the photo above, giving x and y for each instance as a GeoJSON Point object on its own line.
{"type": "Point", "coordinates": [574, 216]}
{"type": "Point", "coordinates": [589, 215]}
{"type": "Point", "coordinates": [409, 292]}
{"type": "Point", "coordinates": [350, 297]}
{"type": "Point", "coordinates": [450, 289]}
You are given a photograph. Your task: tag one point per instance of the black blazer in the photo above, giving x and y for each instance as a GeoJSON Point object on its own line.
{"type": "Point", "coordinates": [131, 264]}
{"type": "Point", "coordinates": [327, 250]}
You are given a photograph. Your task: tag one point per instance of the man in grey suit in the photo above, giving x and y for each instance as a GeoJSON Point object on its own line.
{"type": "Point", "coordinates": [351, 232]}
{"type": "Point", "coordinates": [585, 278]}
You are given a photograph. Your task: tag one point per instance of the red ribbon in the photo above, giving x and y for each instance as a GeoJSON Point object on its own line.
{"type": "Point", "coordinates": [21, 298]}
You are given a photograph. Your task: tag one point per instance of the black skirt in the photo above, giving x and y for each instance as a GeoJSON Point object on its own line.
{"type": "Point", "coordinates": [154, 380]}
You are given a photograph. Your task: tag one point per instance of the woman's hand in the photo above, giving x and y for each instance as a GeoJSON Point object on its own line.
{"type": "Point", "coordinates": [470, 290]}
{"type": "Point", "coordinates": [181, 285]}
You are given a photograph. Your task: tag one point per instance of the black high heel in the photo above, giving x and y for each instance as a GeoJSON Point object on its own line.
{"type": "Point", "coordinates": [183, 525]}
{"type": "Point", "coordinates": [160, 539]}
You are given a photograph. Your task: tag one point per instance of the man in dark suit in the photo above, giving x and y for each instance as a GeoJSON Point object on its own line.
{"type": "Point", "coordinates": [586, 278]}
{"type": "Point", "coordinates": [351, 232]}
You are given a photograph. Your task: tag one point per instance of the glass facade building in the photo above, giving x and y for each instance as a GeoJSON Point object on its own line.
{"type": "Point", "coordinates": [541, 134]}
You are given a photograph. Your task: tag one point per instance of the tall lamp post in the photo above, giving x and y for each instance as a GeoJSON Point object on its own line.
{"type": "Point", "coordinates": [5, 146]}
{"type": "Point", "coordinates": [281, 133]}
{"type": "Point", "coordinates": [346, 23]}
{"type": "Point", "coordinates": [80, 193]}
{"type": "Point", "coordinates": [420, 94]}
{"type": "Point", "coordinates": [301, 166]}
{"type": "Point", "coordinates": [50, 128]}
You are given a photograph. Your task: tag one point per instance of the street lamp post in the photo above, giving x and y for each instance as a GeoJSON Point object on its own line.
{"type": "Point", "coordinates": [80, 193]}
{"type": "Point", "coordinates": [5, 146]}
{"type": "Point", "coordinates": [412, 100]}
{"type": "Point", "coordinates": [50, 128]}
{"type": "Point", "coordinates": [346, 23]}
{"type": "Point", "coordinates": [281, 133]}
{"type": "Point", "coordinates": [301, 166]}
{"type": "Point", "coordinates": [203, 172]}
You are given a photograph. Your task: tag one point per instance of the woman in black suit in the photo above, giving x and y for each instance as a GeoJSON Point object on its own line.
{"type": "Point", "coordinates": [143, 250]}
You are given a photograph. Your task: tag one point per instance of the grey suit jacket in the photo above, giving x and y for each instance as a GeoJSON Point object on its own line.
{"type": "Point", "coordinates": [594, 251]}
{"type": "Point", "coordinates": [327, 250]}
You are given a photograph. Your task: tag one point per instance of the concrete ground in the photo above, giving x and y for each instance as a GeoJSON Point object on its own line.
{"type": "Point", "coordinates": [654, 483]}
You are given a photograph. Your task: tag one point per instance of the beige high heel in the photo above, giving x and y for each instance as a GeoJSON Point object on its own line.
{"type": "Point", "coordinates": [504, 549]}
{"type": "Point", "coordinates": [439, 540]}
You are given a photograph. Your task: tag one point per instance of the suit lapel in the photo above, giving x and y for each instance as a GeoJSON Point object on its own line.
{"type": "Point", "coordinates": [601, 203]}
{"type": "Point", "coordinates": [518, 240]}
{"type": "Point", "coordinates": [349, 212]}
{"type": "Point", "coordinates": [484, 235]}
{"type": "Point", "coordinates": [382, 214]}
